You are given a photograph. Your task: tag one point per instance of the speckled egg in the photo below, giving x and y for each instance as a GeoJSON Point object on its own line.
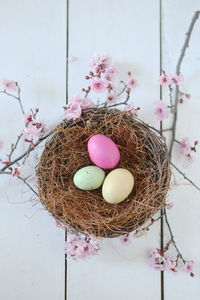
{"type": "Point", "coordinates": [117, 185]}
{"type": "Point", "coordinates": [89, 178]}
{"type": "Point", "coordinates": [103, 151]}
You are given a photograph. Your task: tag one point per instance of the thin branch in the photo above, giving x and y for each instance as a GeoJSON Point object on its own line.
{"type": "Point", "coordinates": [185, 177]}
{"type": "Point", "coordinates": [178, 70]}
{"type": "Point", "coordinates": [18, 97]}
{"type": "Point", "coordinates": [22, 179]}
{"type": "Point", "coordinates": [172, 240]}
{"type": "Point", "coordinates": [26, 152]}
{"type": "Point", "coordinates": [14, 146]}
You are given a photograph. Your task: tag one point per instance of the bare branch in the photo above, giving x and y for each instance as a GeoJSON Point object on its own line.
{"type": "Point", "coordinates": [178, 70]}
{"type": "Point", "coordinates": [185, 177]}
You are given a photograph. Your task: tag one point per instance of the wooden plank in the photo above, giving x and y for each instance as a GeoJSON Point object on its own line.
{"type": "Point", "coordinates": [129, 31]}
{"type": "Point", "coordinates": [184, 217]}
{"type": "Point", "coordinates": [33, 53]}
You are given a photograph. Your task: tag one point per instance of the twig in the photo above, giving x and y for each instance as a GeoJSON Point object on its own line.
{"type": "Point", "coordinates": [14, 146]}
{"type": "Point", "coordinates": [18, 97]}
{"type": "Point", "coordinates": [178, 69]}
{"type": "Point", "coordinates": [185, 177]}
{"type": "Point", "coordinates": [26, 152]}
{"type": "Point", "coordinates": [172, 240]}
{"type": "Point", "coordinates": [22, 179]}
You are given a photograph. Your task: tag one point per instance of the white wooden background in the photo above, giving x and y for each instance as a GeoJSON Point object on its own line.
{"type": "Point", "coordinates": [33, 51]}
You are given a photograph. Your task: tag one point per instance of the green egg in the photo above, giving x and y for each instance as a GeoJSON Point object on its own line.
{"type": "Point", "coordinates": [89, 178]}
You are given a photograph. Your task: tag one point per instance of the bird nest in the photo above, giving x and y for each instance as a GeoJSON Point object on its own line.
{"type": "Point", "coordinates": [143, 152]}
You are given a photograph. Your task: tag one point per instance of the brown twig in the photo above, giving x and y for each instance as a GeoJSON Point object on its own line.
{"type": "Point", "coordinates": [178, 70]}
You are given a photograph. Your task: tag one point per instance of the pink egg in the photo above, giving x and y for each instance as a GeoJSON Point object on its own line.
{"type": "Point", "coordinates": [103, 151]}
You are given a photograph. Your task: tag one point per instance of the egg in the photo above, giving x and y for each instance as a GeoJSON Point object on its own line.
{"type": "Point", "coordinates": [89, 178]}
{"type": "Point", "coordinates": [103, 152]}
{"type": "Point", "coordinates": [117, 185]}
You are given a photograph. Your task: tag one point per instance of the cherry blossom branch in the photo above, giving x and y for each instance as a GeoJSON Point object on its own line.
{"type": "Point", "coordinates": [40, 140]}
{"type": "Point", "coordinates": [185, 177]}
{"type": "Point", "coordinates": [18, 97]}
{"type": "Point", "coordinates": [178, 69]}
{"type": "Point", "coordinates": [23, 180]}
{"type": "Point", "coordinates": [172, 240]}
{"type": "Point", "coordinates": [14, 146]}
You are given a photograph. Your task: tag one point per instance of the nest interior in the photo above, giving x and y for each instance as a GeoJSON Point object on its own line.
{"type": "Point", "coordinates": [143, 152]}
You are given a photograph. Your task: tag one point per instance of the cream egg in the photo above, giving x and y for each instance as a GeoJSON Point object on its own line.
{"type": "Point", "coordinates": [117, 185]}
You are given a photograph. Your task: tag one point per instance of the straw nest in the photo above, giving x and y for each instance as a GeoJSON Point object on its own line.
{"type": "Point", "coordinates": [143, 152]}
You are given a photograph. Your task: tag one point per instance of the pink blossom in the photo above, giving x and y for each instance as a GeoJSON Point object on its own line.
{"type": "Point", "coordinates": [71, 59]}
{"type": "Point", "coordinates": [86, 104]}
{"type": "Point", "coordinates": [184, 146]}
{"type": "Point", "coordinates": [28, 118]}
{"type": "Point", "coordinates": [188, 267]}
{"type": "Point", "coordinates": [170, 205]}
{"type": "Point", "coordinates": [16, 173]}
{"type": "Point", "coordinates": [177, 79]}
{"type": "Point", "coordinates": [1, 145]}
{"type": "Point", "coordinates": [34, 128]}
{"type": "Point", "coordinates": [130, 107]}
{"type": "Point", "coordinates": [101, 60]}
{"type": "Point", "coordinates": [165, 80]}
{"type": "Point", "coordinates": [73, 111]}
{"type": "Point", "coordinates": [81, 247]}
{"type": "Point", "coordinates": [9, 85]}
{"type": "Point", "coordinates": [109, 74]}
{"type": "Point", "coordinates": [161, 110]}
{"type": "Point", "coordinates": [132, 83]}
{"type": "Point", "coordinates": [158, 261]}
{"type": "Point", "coordinates": [98, 85]}
{"type": "Point", "coordinates": [188, 96]}
{"type": "Point", "coordinates": [125, 240]}
{"type": "Point", "coordinates": [111, 98]}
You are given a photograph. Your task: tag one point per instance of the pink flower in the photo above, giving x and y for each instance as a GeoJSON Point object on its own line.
{"type": "Point", "coordinates": [71, 59]}
{"type": "Point", "coordinates": [177, 79]}
{"type": "Point", "coordinates": [188, 96]}
{"type": "Point", "coordinates": [98, 85]}
{"type": "Point", "coordinates": [81, 247]}
{"type": "Point", "coordinates": [125, 240]}
{"type": "Point", "coordinates": [73, 111]}
{"type": "Point", "coordinates": [109, 74]}
{"type": "Point", "coordinates": [132, 83]}
{"type": "Point", "coordinates": [16, 173]}
{"type": "Point", "coordinates": [9, 85]}
{"type": "Point", "coordinates": [28, 118]}
{"type": "Point", "coordinates": [101, 60]}
{"type": "Point", "coordinates": [131, 109]}
{"type": "Point", "coordinates": [158, 261]}
{"type": "Point", "coordinates": [34, 129]}
{"type": "Point", "coordinates": [188, 267]}
{"type": "Point", "coordinates": [170, 205]}
{"type": "Point", "coordinates": [111, 98]}
{"type": "Point", "coordinates": [1, 145]}
{"type": "Point", "coordinates": [164, 80]}
{"type": "Point", "coordinates": [161, 110]}
{"type": "Point", "coordinates": [87, 104]}
{"type": "Point", "coordinates": [184, 146]}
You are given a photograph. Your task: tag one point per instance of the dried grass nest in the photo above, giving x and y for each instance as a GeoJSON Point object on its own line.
{"type": "Point", "coordinates": [143, 152]}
